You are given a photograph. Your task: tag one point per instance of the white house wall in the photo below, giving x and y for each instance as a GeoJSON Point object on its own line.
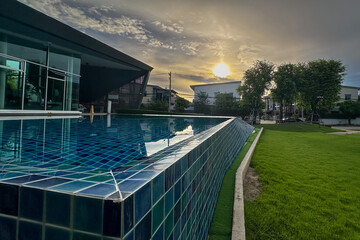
{"type": "Point", "coordinates": [211, 90]}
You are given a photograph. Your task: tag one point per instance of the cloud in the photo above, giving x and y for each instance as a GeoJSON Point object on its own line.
{"type": "Point", "coordinates": [95, 18]}
{"type": "Point", "coordinates": [191, 48]}
{"type": "Point", "coordinates": [172, 27]}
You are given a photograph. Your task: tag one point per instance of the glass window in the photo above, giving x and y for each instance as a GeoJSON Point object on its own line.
{"type": "Point", "coordinates": [63, 62]}
{"type": "Point", "coordinates": [21, 48]}
{"type": "Point", "coordinates": [55, 95]}
{"type": "Point", "coordinates": [72, 93]}
{"type": "Point", "coordinates": [35, 87]}
{"type": "Point", "coordinates": [11, 86]}
{"type": "Point", "coordinates": [10, 63]}
{"type": "Point", "coordinates": [347, 96]}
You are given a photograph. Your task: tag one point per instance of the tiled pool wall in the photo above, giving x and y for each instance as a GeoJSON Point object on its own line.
{"type": "Point", "coordinates": [177, 204]}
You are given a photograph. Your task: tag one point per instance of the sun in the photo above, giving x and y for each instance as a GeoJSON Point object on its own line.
{"type": "Point", "coordinates": [221, 70]}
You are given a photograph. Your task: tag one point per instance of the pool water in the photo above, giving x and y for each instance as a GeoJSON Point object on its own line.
{"type": "Point", "coordinates": [97, 156]}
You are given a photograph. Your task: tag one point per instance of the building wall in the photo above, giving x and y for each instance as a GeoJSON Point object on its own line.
{"type": "Point", "coordinates": [353, 92]}
{"type": "Point", "coordinates": [214, 89]}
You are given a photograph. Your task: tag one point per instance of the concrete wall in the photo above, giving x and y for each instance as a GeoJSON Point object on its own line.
{"type": "Point", "coordinates": [332, 121]}
{"type": "Point", "coordinates": [212, 89]}
{"type": "Point", "coordinates": [348, 90]}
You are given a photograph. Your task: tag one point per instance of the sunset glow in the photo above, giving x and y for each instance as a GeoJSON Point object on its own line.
{"type": "Point", "coordinates": [221, 70]}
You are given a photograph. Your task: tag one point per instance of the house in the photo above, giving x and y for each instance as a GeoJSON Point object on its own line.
{"type": "Point", "coordinates": [349, 93]}
{"type": "Point", "coordinates": [214, 89]}
{"type": "Point", "coordinates": [48, 67]}
{"type": "Point", "coordinates": [158, 93]}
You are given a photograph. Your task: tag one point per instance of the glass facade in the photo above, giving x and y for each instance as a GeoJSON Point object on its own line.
{"type": "Point", "coordinates": [36, 76]}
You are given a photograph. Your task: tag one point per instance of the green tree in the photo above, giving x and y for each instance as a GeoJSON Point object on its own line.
{"type": "Point", "coordinates": [350, 109]}
{"type": "Point", "coordinates": [257, 79]}
{"type": "Point", "coordinates": [321, 84]}
{"type": "Point", "coordinates": [285, 79]}
{"type": "Point", "coordinates": [244, 109]}
{"type": "Point", "coordinates": [158, 105]}
{"type": "Point", "coordinates": [201, 104]}
{"type": "Point", "coordinates": [226, 104]}
{"type": "Point", "coordinates": [181, 104]}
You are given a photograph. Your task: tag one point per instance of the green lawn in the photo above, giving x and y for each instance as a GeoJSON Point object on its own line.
{"type": "Point", "coordinates": [310, 185]}
{"type": "Point", "coordinates": [222, 221]}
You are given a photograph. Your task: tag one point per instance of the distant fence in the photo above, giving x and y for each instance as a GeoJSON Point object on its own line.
{"type": "Point", "coordinates": [336, 121]}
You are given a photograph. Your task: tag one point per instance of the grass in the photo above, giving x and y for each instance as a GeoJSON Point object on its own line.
{"type": "Point", "coordinates": [310, 184]}
{"type": "Point", "coordinates": [222, 220]}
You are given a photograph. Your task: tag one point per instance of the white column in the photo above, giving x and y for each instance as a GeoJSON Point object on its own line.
{"type": "Point", "coordinates": [69, 81]}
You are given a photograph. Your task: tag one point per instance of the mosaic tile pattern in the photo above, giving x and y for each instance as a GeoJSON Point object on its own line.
{"type": "Point", "coordinates": [95, 158]}
{"type": "Point", "coordinates": [176, 202]}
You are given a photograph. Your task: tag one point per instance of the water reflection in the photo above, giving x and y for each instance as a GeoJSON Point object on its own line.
{"type": "Point", "coordinates": [107, 142]}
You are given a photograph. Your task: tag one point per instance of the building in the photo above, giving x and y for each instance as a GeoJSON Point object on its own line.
{"type": "Point", "coordinates": [158, 93]}
{"type": "Point", "coordinates": [272, 108]}
{"type": "Point", "coordinates": [48, 67]}
{"type": "Point", "coordinates": [214, 89]}
{"type": "Point", "coordinates": [349, 93]}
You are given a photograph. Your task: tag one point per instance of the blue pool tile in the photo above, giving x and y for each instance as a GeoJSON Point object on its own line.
{"type": "Point", "coordinates": [112, 218]}
{"type": "Point", "coordinates": [48, 182]}
{"type": "Point", "coordinates": [53, 233]}
{"type": "Point", "coordinates": [88, 214]}
{"type": "Point", "coordinates": [31, 203]}
{"type": "Point", "coordinates": [130, 185]}
{"type": "Point", "coordinates": [145, 175]}
{"type": "Point", "coordinates": [9, 199]}
{"type": "Point", "coordinates": [142, 202]}
{"type": "Point", "coordinates": [169, 177]}
{"type": "Point", "coordinates": [101, 190]}
{"type": "Point", "coordinates": [25, 179]}
{"type": "Point", "coordinates": [8, 175]}
{"type": "Point", "coordinates": [130, 236]}
{"type": "Point", "coordinates": [128, 206]}
{"type": "Point", "coordinates": [58, 208]}
{"type": "Point", "coordinates": [73, 186]}
{"type": "Point", "coordinates": [169, 201]}
{"type": "Point", "coordinates": [84, 236]}
{"type": "Point", "coordinates": [158, 187]}
{"type": "Point", "coordinates": [143, 229]}
{"type": "Point", "coordinates": [8, 228]}
{"type": "Point", "coordinates": [159, 235]}
{"type": "Point", "coordinates": [77, 175]}
{"type": "Point", "coordinates": [29, 231]}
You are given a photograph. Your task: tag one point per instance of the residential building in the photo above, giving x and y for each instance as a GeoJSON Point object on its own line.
{"type": "Point", "coordinates": [47, 67]}
{"type": "Point", "coordinates": [213, 89]}
{"type": "Point", "coordinates": [158, 93]}
{"type": "Point", "coordinates": [349, 93]}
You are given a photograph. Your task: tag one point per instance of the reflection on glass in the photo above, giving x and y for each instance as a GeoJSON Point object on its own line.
{"type": "Point", "coordinates": [72, 93]}
{"type": "Point", "coordinates": [10, 63]}
{"type": "Point", "coordinates": [10, 89]}
{"type": "Point", "coordinates": [55, 94]}
{"type": "Point", "coordinates": [35, 87]}
{"type": "Point", "coordinates": [21, 48]}
{"type": "Point", "coordinates": [63, 62]}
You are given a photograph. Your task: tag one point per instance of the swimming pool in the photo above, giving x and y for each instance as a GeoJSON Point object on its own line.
{"type": "Point", "coordinates": [126, 177]}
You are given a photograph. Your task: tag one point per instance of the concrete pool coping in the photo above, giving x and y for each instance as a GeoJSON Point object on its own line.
{"type": "Point", "coordinates": [238, 225]}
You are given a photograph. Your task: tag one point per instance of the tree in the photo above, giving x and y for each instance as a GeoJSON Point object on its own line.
{"type": "Point", "coordinates": [201, 104]}
{"type": "Point", "coordinates": [321, 84]}
{"type": "Point", "coordinates": [350, 109]}
{"type": "Point", "coordinates": [285, 78]}
{"type": "Point", "coordinates": [225, 104]}
{"type": "Point", "coordinates": [181, 104]}
{"type": "Point", "coordinates": [257, 79]}
{"type": "Point", "coordinates": [158, 105]}
{"type": "Point", "coordinates": [244, 109]}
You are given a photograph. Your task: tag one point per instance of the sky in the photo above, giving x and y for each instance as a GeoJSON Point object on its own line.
{"type": "Point", "coordinates": [189, 38]}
